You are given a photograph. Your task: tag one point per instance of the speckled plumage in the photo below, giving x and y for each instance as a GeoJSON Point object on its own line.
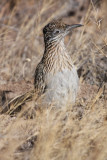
{"type": "Point", "coordinates": [55, 75]}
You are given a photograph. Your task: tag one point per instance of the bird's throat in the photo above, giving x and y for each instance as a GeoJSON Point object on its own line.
{"type": "Point", "coordinates": [56, 57]}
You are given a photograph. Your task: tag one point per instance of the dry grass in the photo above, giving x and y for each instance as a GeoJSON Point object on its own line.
{"type": "Point", "coordinates": [76, 132]}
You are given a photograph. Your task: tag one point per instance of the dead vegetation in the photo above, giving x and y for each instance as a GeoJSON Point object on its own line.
{"type": "Point", "coordinates": [38, 132]}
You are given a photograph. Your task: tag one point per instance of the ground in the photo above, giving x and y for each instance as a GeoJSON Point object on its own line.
{"type": "Point", "coordinates": [74, 132]}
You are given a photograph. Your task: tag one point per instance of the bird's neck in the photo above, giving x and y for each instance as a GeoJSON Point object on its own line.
{"type": "Point", "coordinates": [56, 56]}
{"type": "Point", "coordinates": [55, 47]}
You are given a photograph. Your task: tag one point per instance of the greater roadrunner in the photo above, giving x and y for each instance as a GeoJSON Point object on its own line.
{"type": "Point", "coordinates": [55, 76]}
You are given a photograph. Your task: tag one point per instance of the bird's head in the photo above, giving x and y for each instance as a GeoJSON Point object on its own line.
{"type": "Point", "coordinates": [57, 30]}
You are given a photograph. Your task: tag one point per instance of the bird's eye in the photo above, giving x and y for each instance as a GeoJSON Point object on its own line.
{"type": "Point", "coordinates": [56, 31]}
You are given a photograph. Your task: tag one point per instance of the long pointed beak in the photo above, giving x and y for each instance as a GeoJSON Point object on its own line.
{"type": "Point", "coordinates": [75, 26]}
{"type": "Point", "coordinates": [70, 27]}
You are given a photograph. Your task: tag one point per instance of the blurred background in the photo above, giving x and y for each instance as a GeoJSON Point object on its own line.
{"type": "Point", "coordinates": [21, 38]}
{"type": "Point", "coordinates": [79, 132]}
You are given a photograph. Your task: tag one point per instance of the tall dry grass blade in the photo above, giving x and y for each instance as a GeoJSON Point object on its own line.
{"type": "Point", "coordinates": [14, 105]}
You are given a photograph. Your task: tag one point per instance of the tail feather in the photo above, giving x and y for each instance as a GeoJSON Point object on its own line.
{"type": "Point", "coordinates": [15, 104]}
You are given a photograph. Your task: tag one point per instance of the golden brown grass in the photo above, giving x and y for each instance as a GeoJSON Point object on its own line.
{"type": "Point", "coordinates": [75, 132]}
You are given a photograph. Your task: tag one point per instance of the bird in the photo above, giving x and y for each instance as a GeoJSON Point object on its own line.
{"type": "Point", "coordinates": [55, 76]}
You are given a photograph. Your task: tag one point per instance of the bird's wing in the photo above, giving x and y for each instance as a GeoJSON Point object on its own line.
{"type": "Point", "coordinates": [39, 82]}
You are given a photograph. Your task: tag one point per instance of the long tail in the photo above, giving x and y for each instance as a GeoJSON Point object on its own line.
{"type": "Point", "coordinates": [15, 104]}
